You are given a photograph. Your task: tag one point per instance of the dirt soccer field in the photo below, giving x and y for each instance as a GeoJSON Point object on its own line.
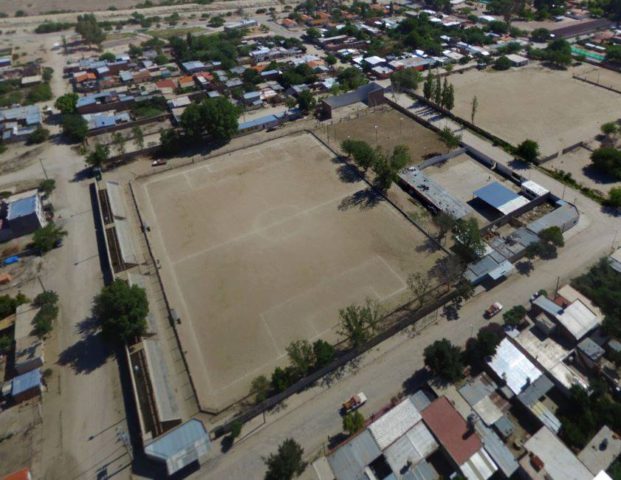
{"type": "Point", "coordinates": [548, 106]}
{"type": "Point", "coordinates": [262, 247]}
{"type": "Point", "coordinates": [393, 129]}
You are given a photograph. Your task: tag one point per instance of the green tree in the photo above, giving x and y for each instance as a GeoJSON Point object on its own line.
{"type": "Point", "coordinates": [407, 79]}
{"type": "Point", "coordinates": [445, 224]}
{"type": "Point", "coordinates": [170, 142]}
{"type": "Point", "coordinates": [306, 101]}
{"type": "Point", "coordinates": [122, 310]}
{"type": "Point", "coordinates": [449, 101]}
{"type": "Point", "coordinates": [313, 34]}
{"type": "Point", "coordinates": [610, 131]}
{"type": "Point", "coordinates": [444, 94]}
{"type": "Point", "coordinates": [502, 63]}
{"type": "Point", "coordinates": [540, 35]}
{"type": "Point", "coordinates": [282, 378]}
{"type": "Point", "coordinates": [541, 249]}
{"type": "Point", "coordinates": [67, 103]}
{"type": "Point", "coordinates": [98, 156]}
{"type": "Point", "coordinates": [47, 297]}
{"type": "Point", "coordinates": [514, 316]}
{"type": "Point", "coordinates": [216, 21]}
{"type": "Point", "coordinates": [46, 238]}
{"type": "Point", "coordinates": [138, 137]}
{"type": "Point", "coordinates": [362, 153]}
{"type": "Point", "coordinates": [614, 197]}
{"type": "Point", "coordinates": [444, 360]}
{"type": "Point", "coordinates": [44, 319]}
{"type": "Point", "coordinates": [608, 159]}
{"type": "Point", "coordinates": [75, 127]}
{"type": "Point", "coordinates": [215, 116]}
{"type": "Point", "coordinates": [553, 235]}
{"type": "Point", "coordinates": [331, 59]}
{"type": "Point", "coordinates": [558, 53]}
{"type": "Point", "coordinates": [323, 352]}
{"type": "Point", "coordinates": [287, 463]}
{"type": "Point", "coordinates": [528, 151]}
{"type": "Point", "coordinates": [236, 428]}
{"type": "Point", "coordinates": [487, 342]}
{"type": "Point", "coordinates": [90, 30]}
{"type": "Point", "coordinates": [353, 422]}
{"type": "Point", "coordinates": [40, 135]}
{"type": "Point", "coordinates": [107, 56]}
{"type": "Point", "coordinates": [437, 91]}
{"type": "Point", "coordinates": [6, 344]}
{"type": "Point", "coordinates": [260, 388]}
{"type": "Point", "coordinates": [351, 78]}
{"type": "Point", "coordinates": [421, 286]}
{"type": "Point", "coordinates": [428, 86]}
{"type": "Point", "coordinates": [47, 186]}
{"type": "Point", "coordinates": [192, 122]}
{"type": "Point", "coordinates": [467, 236]}
{"type": "Point", "coordinates": [301, 356]}
{"type": "Point", "coordinates": [359, 322]}
{"type": "Point", "coordinates": [613, 52]}
{"type": "Point", "coordinates": [118, 140]}
{"type": "Point", "coordinates": [450, 139]}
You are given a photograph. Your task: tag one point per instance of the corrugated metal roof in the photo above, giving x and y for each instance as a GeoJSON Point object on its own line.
{"type": "Point", "coordinates": [495, 447]}
{"type": "Point", "coordinates": [504, 426]}
{"type": "Point", "coordinates": [394, 423]}
{"type": "Point", "coordinates": [536, 390]}
{"type": "Point", "coordinates": [563, 215]}
{"type": "Point", "coordinates": [513, 367]}
{"type": "Point", "coordinates": [479, 467]}
{"type": "Point", "coordinates": [420, 400]}
{"type": "Point", "coordinates": [26, 382]}
{"type": "Point", "coordinates": [350, 460]}
{"type": "Point", "coordinates": [591, 349]}
{"type": "Point", "coordinates": [500, 197]}
{"type": "Point", "coordinates": [258, 122]}
{"type": "Point", "coordinates": [180, 446]}
{"type": "Point", "coordinates": [421, 471]}
{"type": "Point", "coordinates": [578, 319]}
{"type": "Point", "coordinates": [126, 243]}
{"type": "Point", "coordinates": [416, 445]}
{"type": "Point", "coordinates": [117, 202]}
{"type": "Point", "coordinates": [547, 305]}
{"type": "Point", "coordinates": [22, 207]}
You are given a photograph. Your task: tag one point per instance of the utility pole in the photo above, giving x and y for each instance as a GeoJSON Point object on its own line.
{"type": "Point", "coordinates": [43, 168]}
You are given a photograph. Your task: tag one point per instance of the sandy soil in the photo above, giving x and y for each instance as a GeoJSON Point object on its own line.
{"type": "Point", "coordinates": [545, 105]}
{"type": "Point", "coordinates": [262, 247]}
{"type": "Point", "coordinates": [392, 129]}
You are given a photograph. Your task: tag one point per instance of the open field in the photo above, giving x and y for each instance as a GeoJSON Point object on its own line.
{"type": "Point", "coordinates": [603, 76]}
{"type": "Point", "coordinates": [548, 106]}
{"type": "Point", "coordinates": [263, 246]}
{"type": "Point", "coordinates": [578, 163]}
{"type": "Point", "coordinates": [393, 129]}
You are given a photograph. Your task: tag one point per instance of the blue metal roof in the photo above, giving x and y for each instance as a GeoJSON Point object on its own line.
{"type": "Point", "coordinates": [349, 461]}
{"type": "Point", "coordinates": [180, 446]}
{"type": "Point", "coordinates": [257, 122]}
{"type": "Point", "coordinates": [22, 207]}
{"type": "Point", "coordinates": [25, 382]}
{"type": "Point", "coordinates": [495, 194]}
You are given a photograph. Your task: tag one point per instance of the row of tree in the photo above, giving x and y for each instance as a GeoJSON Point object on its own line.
{"type": "Point", "coordinates": [438, 92]}
{"type": "Point", "coordinates": [385, 167]}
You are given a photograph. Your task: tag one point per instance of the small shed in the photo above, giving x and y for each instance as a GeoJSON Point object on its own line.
{"type": "Point", "coordinates": [517, 60]}
{"type": "Point", "coordinates": [26, 386]}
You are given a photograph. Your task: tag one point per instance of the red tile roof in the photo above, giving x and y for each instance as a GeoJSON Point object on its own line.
{"type": "Point", "coordinates": [451, 430]}
{"type": "Point", "coordinates": [167, 83]}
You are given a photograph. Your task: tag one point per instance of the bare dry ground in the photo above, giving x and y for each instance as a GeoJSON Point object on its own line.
{"type": "Point", "coordinates": [388, 128]}
{"type": "Point", "coordinates": [578, 163]}
{"type": "Point", "coordinates": [548, 106]}
{"type": "Point", "coordinates": [262, 247]}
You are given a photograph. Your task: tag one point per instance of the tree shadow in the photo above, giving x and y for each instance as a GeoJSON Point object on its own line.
{"type": "Point", "coordinates": [517, 164]}
{"type": "Point", "coordinates": [90, 352]}
{"type": "Point", "coordinates": [428, 246]}
{"type": "Point", "coordinates": [364, 199]}
{"type": "Point", "coordinates": [612, 211]}
{"type": "Point", "coordinates": [415, 382]}
{"type": "Point", "coordinates": [348, 174]}
{"type": "Point", "coordinates": [524, 267]}
{"type": "Point", "coordinates": [595, 174]}
{"type": "Point", "coordinates": [226, 444]}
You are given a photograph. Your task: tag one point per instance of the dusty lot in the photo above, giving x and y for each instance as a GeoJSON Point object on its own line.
{"type": "Point", "coordinates": [578, 163]}
{"type": "Point", "coordinates": [388, 128]}
{"type": "Point", "coordinates": [602, 76]}
{"type": "Point", "coordinates": [264, 246]}
{"type": "Point", "coordinates": [545, 105]}
{"type": "Point", "coordinates": [463, 175]}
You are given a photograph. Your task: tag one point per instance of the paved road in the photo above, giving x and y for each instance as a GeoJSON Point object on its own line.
{"type": "Point", "coordinates": [312, 416]}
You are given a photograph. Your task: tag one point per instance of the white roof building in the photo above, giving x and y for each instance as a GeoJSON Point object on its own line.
{"type": "Point", "coordinates": [513, 367]}
{"type": "Point", "coordinates": [394, 423]}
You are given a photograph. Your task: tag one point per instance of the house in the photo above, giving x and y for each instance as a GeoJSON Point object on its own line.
{"type": "Point", "coordinates": [548, 458]}
{"type": "Point", "coordinates": [372, 94]}
{"type": "Point", "coordinates": [18, 123]}
{"type": "Point", "coordinates": [100, 120]}
{"type": "Point", "coordinates": [102, 101]}
{"type": "Point", "coordinates": [458, 440]}
{"type": "Point", "coordinates": [166, 86]}
{"type": "Point", "coordinates": [31, 80]}
{"type": "Point", "coordinates": [603, 449]}
{"type": "Point", "coordinates": [5, 61]}
{"type": "Point", "coordinates": [517, 60]}
{"type": "Point", "coordinates": [193, 66]}
{"type": "Point", "coordinates": [574, 315]}
{"type": "Point", "coordinates": [245, 23]}
{"type": "Point", "coordinates": [186, 82]}
{"type": "Point", "coordinates": [28, 347]}
{"type": "Point", "coordinates": [21, 214]}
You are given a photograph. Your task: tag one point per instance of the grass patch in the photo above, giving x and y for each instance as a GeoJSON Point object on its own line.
{"type": "Point", "coordinates": [174, 32]}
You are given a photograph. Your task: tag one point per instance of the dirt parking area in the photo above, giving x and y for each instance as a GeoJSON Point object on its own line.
{"type": "Point", "coordinates": [387, 128]}
{"type": "Point", "coordinates": [548, 106]}
{"type": "Point", "coordinates": [262, 247]}
{"type": "Point", "coordinates": [462, 176]}
{"type": "Point", "coordinates": [602, 76]}
{"type": "Point", "coordinates": [578, 163]}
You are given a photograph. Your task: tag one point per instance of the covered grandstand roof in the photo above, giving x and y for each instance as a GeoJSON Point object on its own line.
{"type": "Point", "coordinates": [500, 197]}
{"type": "Point", "coordinates": [115, 195]}
{"type": "Point", "coordinates": [126, 244]}
{"type": "Point", "coordinates": [180, 446]}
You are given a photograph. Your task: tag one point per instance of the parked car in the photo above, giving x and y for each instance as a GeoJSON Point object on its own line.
{"type": "Point", "coordinates": [354, 403]}
{"type": "Point", "coordinates": [493, 309]}
{"type": "Point", "coordinates": [157, 163]}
